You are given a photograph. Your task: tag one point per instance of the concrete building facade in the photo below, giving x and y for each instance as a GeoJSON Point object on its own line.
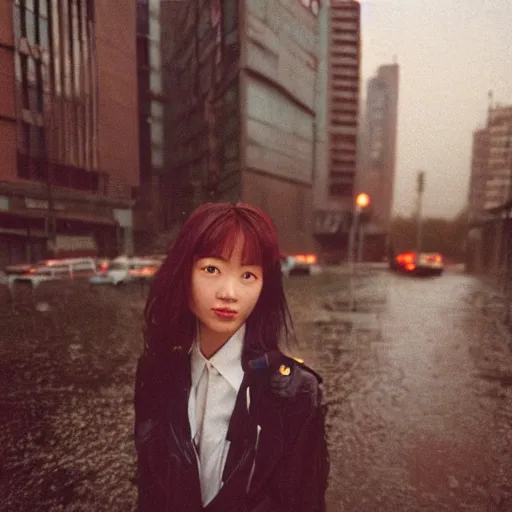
{"type": "Point", "coordinates": [339, 58]}
{"type": "Point", "coordinates": [246, 76]}
{"type": "Point", "coordinates": [69, 156]}
{"type": "Point", "coordinates": [498, 181]}
{"type": "Point", "coordinates": [377, 156]}
{"type": "Point", "coordinates": [490, 195]}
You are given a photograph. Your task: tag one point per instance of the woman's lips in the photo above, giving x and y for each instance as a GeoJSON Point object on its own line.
{"type": "Point", "coordinates": [225, 313]}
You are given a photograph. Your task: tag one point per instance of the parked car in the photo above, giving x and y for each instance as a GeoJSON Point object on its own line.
{"type": "Point", "coordinates": [18, 269]}
{"type": "Point", "coordinates": [418, 263]}
{"type": "Point", "coordinates": [123, 269]}
{"type": "Point", "coordinates": [305, 264]}
{"type": "Point", "coordinates": [66, 268]}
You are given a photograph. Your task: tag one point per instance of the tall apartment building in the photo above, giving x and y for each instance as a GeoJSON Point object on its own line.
{"type": "Point", "coordinates": [243, 128]}
{"type": "Point", "coordinates": [491, 164]}
{"type": "Point", "coordinates": [498, 182]}
{"type": "Point", "coordinates": [337, 125]}
{"type": "Point", "coordinates": [68, 127]}
{"type": "Point", "coordinates": [479, 173]}
{"type": "Point", "coordinates": [377, 156]}
{"type": "Point", "coordinates": [490, 194]}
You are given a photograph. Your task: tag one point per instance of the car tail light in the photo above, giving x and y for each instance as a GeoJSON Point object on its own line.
{"type": "Point", "coordinates": [310, 259]}
{"type": "Point", "coordinates": [410, 267]}
{"type": "Point", "coordinates": [406, 259]}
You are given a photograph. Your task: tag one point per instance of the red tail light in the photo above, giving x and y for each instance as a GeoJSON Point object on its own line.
{"type": "Point", "coordinates": [310, 259]}
{"type": "Point", "coordinates": [406, 259]}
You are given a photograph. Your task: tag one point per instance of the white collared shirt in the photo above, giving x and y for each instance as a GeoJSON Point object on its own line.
{"type": "Point", "coordinates": [224, 380]}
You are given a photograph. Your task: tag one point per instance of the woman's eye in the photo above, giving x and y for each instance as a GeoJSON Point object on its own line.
{"type": "Point", "coordinates": [249, 275]}
{"type": "Point", "coordinates": [210, 269]}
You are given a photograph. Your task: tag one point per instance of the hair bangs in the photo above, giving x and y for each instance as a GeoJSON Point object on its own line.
{"type": "Point", "coordinates": [219, 240]}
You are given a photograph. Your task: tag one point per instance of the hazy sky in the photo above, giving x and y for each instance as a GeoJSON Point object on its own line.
{"type": "Point", "coordinates": [451, 53]}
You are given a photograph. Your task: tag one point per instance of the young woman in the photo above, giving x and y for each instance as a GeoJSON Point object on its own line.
{"type": "Point", "coordinates": [224, 421]}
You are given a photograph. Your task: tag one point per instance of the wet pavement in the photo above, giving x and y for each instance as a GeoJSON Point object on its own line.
{"type": "Point", "coordinates": [418, 380]}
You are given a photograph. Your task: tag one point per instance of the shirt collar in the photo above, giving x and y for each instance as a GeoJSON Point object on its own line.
{"type": "Point", "coordinates": [227, 360]}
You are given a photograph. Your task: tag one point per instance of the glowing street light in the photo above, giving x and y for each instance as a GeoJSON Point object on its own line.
{"type": "Point", "coordinates": [363, 200]}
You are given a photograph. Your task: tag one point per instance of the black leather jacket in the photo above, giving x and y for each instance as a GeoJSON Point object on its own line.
{"type": "Point", "coordinates": [277, 461]}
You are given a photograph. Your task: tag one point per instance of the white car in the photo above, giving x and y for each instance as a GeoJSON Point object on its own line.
{"type": "Point", "coordinates": [56, 269]}
{"type": "Point", "coordinates": [124, 270]}
{"type": "Point", "coordinates": [300, 264]}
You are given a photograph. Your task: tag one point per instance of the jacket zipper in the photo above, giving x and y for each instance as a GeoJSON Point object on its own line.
{"type": "Point", "coordinates": [251, 474]}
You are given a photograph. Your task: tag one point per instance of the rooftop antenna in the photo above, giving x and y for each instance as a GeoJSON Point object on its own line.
{"type": "Point", "coordinates": [490, 105]}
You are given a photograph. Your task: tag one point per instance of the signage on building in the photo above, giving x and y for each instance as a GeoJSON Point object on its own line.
{"type": "Point", "coordinates": [75, 243]}
{"type": "Point", "coordinates": [124, 218]}
{"type": "Point", "coordinates": [4, 203]}
{"type": "Point", "coordinates": [41, 204]}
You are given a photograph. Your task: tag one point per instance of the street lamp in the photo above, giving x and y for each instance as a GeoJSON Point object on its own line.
{"type": "Point", "coordinates": [361, 203]}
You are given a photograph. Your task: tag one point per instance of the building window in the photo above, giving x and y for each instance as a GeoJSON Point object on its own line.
{"type": "Point", "coordinates": [341, 190]}
{"type": "Point", "coordinates": [229, 16]}
{"type": "Point", "coordinates": [32, 140]}
{"type": "Point", "coordinates": [31, 21]}
{"type": "Point", "coordinates": [28, 21]}
{"type": "Point", "coordinates": [32, 84]}
{"type": "Point", "coordinates": [43, 37]}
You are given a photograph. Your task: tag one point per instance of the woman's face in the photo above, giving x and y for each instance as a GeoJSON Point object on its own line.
{"type": "Point", "coordinates": [224, 293]}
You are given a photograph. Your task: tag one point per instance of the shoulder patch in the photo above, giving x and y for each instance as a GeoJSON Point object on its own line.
{"type": "Point", "coordinates": [297, 361]}
{"type": "Point", "coordinates": [293, 378]}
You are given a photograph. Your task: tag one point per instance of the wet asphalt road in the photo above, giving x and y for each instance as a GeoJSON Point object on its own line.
{"type": "Point", "coordinates": [418, 381]}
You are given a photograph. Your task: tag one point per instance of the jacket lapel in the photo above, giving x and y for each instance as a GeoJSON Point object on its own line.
{"type": "Point", "coordinates": [263, 414]}
{"type": "Point", "coordinates": [175, 405]}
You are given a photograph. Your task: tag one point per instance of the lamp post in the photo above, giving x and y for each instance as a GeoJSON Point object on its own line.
{"type": "Point", "coordinates": [362, 201]}
{"type": "Point", "coordinates": [419, 221]}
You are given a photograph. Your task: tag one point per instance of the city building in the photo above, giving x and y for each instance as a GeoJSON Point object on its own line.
{"type": "Point", "coordinates": [152, 16]}
{"type": "Point", "coordinates": [490, 198]}
{"type": "Point", "coordinates": [377, 157]}
{"type": "Point", "coordinates": [479, 172]}
{"type": "Point", "coordinates": [499, 165]}
{"type": "Point", "coordinates": [69, 157]}
{"type": "Point", "coordinates": [243, 129]}
{"type": "Point", "coordinates": [339, 58]}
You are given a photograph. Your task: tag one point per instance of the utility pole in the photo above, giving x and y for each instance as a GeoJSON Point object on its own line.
{"type": "Point", "coordinates": [50, 224]}
{"type": "Point", "coordinates": [419, 221]}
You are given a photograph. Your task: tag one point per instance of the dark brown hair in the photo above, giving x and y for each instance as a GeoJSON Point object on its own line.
{"type": "Point", "coordinates": [212, 230]}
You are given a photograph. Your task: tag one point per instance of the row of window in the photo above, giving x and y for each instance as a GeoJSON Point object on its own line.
{"type": "Point", "coordinates": [31, 21]}
{"type": "Point", "coordinates": [56, 80]}
{"type": "Point", "coordinates": [36, 169]}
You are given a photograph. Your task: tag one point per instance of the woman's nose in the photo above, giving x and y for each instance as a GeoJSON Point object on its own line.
{"type": "Point", "coordinates": [227, 291]}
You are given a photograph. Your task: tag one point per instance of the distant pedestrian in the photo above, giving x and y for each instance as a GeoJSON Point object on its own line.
{"type": "Point", "coordinates": [224, 421]}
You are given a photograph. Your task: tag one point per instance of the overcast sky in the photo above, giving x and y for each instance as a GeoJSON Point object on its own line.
{"type": "Point", "coordinates": [451, 53]}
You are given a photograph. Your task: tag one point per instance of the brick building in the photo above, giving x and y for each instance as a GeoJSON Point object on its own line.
{"type": "Point", "coordinates": [69, 149]}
